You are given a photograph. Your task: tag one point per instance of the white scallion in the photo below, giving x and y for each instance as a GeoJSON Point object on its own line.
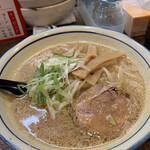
{"type": "Point", "coordinates": [51, 85]}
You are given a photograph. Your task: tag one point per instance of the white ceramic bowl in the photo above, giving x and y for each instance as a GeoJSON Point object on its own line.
{"type": "Point", "coordinates": [47, 15]}
{"type": "Point", "coordinates": [13, 59]}
{"type": "Point", "coordinates": [38, 3]}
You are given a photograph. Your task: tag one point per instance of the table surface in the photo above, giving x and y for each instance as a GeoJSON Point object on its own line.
{"type": "Point", "coordinates": [7, 45]}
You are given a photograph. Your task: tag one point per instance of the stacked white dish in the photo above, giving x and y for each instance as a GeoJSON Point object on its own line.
{"type": "Point", "coordinates": [38, 3]}
{"type": "Point", "coordinates": [45, 12]}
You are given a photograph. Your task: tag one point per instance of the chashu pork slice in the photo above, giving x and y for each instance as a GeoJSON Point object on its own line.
{"type": "Point", "coordinates": [104, 110]}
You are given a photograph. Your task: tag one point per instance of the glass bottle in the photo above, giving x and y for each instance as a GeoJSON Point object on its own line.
{"type": "Point", "coordinates": [109, 14]}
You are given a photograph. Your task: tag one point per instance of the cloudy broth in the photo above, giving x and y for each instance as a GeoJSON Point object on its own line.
{"type": "Point", "coordinates": [36, 122]}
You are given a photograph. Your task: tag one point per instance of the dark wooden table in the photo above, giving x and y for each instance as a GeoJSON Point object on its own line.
{"type": "Point", "coordinates": [7, 45]}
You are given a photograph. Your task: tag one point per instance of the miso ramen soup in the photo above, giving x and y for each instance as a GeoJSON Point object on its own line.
{"type": "Point", "coordinates": [73, 123]}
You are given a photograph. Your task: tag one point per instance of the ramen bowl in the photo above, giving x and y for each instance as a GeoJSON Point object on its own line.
{"type": "Point", "coordinates": [15, 57]}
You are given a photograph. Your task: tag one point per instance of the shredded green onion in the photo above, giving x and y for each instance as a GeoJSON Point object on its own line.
{"type": "Point", "coordinates": [112, 122]}
{"type": "Point", "coordinates": [50, 85]}
{"type": "Point", "coordinates": [42, 72]}
{"type": "Point", "coordinates": [57, 54]}
{"type": "Point", "coordinates": [20, 86]}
